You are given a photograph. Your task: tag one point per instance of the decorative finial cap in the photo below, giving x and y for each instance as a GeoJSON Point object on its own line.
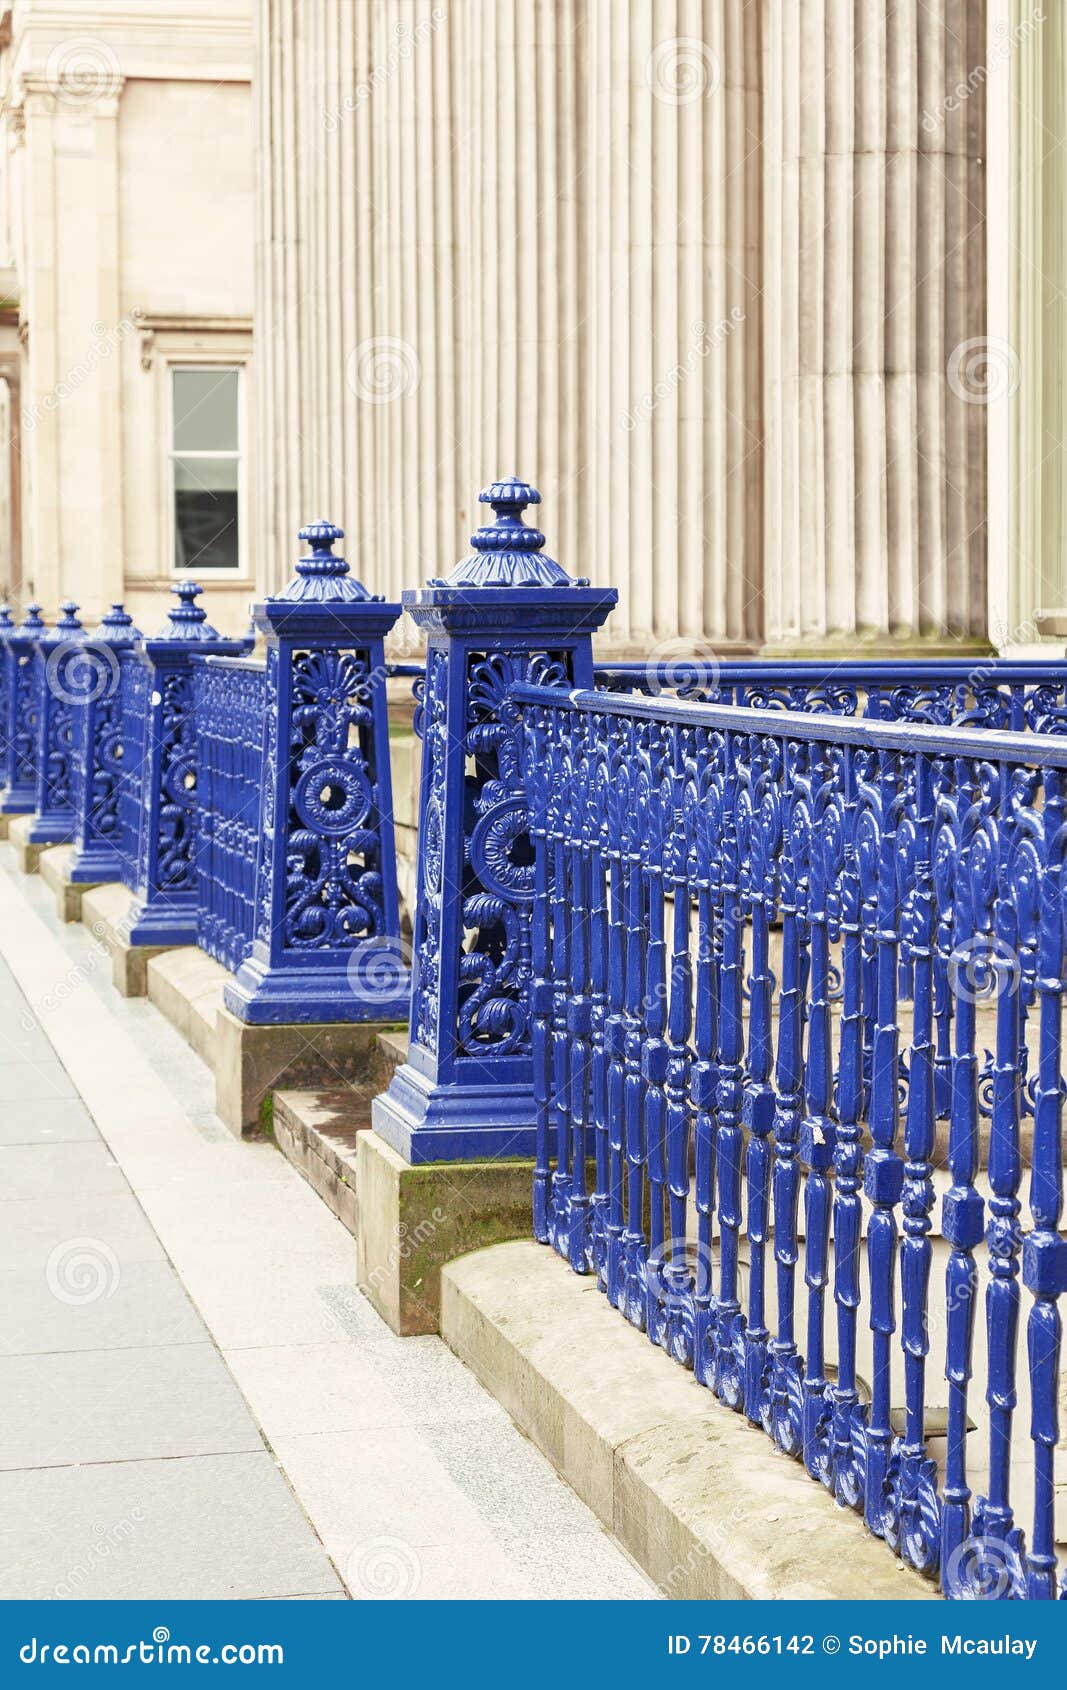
{"type": "Point", "coordinates": [117, 628]}
{"type": "Point", "coordinates": [507, 553]}
{"type": "Point", "coordinates": [187, 620]}
{"type": "Point", "coordinates": [32, 622]}
{"type": "Point", "coordinates": [320, 576]}
{"type": "Point", "coordinates": [6, 619]}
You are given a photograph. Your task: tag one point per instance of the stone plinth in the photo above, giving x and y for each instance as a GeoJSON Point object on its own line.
{"type": "Point", "coordinates": [54, 868]}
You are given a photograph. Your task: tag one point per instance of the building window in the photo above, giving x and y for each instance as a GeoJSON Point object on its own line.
{"type": "Point", "coordinates": [206, 469]}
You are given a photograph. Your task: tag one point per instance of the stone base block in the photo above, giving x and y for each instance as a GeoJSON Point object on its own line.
{"type": "Point", "coordinates": [54, 869]}
{"type": "Point", "coordinates": [4, 824]}
{"type": "Point", "coordinates": [413, 1220]}
{"type": "Point", "coordinates": [107, 911]}
{"type": "Point", "coordinates": [27, 853]}
{"type": "Point", "coordinates": [252, 1061]}
{"type": "Point", "coordinates": [697, 1496]}
{"type": "Point", "coordinates": [186, 986]}
{"type": "Point", "coordinates": [318, 1132]}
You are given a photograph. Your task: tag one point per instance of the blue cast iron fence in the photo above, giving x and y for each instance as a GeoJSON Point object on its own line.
{"type": "Point", "coordinates": [229, 701]}
{"type": "Point", "coordinates": [974, 692]}
{"type": "Point", "coordinates": [751, 934]}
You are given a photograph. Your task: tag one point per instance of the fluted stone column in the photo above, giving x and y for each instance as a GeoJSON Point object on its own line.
{"type": "Point", "coordinates": [875, 350]}
{"type": "Point", "coordinates": [714, 272]}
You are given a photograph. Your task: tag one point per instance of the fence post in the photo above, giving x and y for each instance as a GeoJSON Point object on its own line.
{"type": "Point", "coordinates": [57, 660]}
{"type": "Point", "coordinates": [18, 778]}
{"type": "Point", "coordinates": [99, 751]}
{"type": "Point", "coordinates": [164, 866]}
{"type": "Point", "coordinates": [326, 945]}
{"type": "Point", "coordinates": [7, 628]}
{"type": "Point", "coordinates": [506, 614]}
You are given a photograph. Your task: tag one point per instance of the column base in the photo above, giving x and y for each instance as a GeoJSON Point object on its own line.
{"type": "Point", "coordinates": [412, 1221]}
{"type": "Point", "coordinates": [161, 925]}
{"type": "Point", "coordinates": [95, 865]}
{"type": "Point", "coordinates": [50, 830]}
{"type": "Point", "coordinates": [429, 1122]}
{"type": "Point", "coordinates": [262, 994]}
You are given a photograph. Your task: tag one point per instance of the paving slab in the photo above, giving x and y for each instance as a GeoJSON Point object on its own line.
{"type": "Point", "coordinates": [37, 1170]}
{"type": "Point", "coordinates": [95, 1308]}
{"type": "Point", "coordinates": [21, 1082]}
{"type": "Point", "coordinates": [36, 1231]}
{"type": "Point", "coordinates": [120, 1405]}
{"type": "Point", "coordinates": [222, 1527]}
{"type": "Point", "coordinates": [53, 1120]}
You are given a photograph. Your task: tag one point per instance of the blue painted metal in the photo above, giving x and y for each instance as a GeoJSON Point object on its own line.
{"type": "Point", "coordinates": [506, 613]}
{"type": "Point", "coordinates": [159, 797]}
{"type": "Point", "coordinates": [7, 628]}
{"type": "Point", "coordinates": [99, 751]}
{"type": "Point", "coordinates": [981, 692]}
{"type": "Point", "coordinates": [18, 773]}
{"type": "Point", "coordinates": [326, 942]}
{"type": "Point", "coordinates": [229, 700]}
{"type": "Point", "coordinates": [59, 663]}
{"type": "Point", "coordinates": [863, 878]}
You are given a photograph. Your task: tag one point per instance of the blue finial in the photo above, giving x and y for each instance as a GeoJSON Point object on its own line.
{"type": "Point", "coordinates": [32, 622]}
{"type": "Point", "coordinates": [6, 620]}
{"type": "Point", "coordinates": [507, 553]}
{"type": "Point", "coordinates": [68, 621]}
{"type": "Point", "coordinates": [117, 627]}
{"type": "Point", "coordinates": [320, 576]}
{"type": "Point", "coordinates": [187, 620]}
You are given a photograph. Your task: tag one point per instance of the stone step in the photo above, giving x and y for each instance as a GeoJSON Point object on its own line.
{"type": "Point", "coordinates": [318, 1131]}
{"type": "Point", "coordinates": [692, 1492]}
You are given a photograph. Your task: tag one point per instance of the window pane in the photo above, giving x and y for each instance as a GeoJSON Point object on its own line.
{"type": "Point", "coordinates": [205, 410]}
{"type": "Point", "coordinates": [205, 513]}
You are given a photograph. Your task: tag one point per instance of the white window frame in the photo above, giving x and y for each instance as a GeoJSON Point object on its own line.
{"type": "Point", "coordinates": [227, 365]}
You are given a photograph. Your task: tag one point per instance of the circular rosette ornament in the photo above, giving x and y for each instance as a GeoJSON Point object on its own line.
{"type": "Point", "coordinates": [333, 797]}
{"type": "Point", "coordinates": [501, 853]}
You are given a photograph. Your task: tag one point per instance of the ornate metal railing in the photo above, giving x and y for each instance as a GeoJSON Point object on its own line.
{"type": "Point", "coordinates": [972, 692]}
{"type": "Point", "coordinates": [229, 703]}
{"type": "Point", "coordinates": [738, 1124]}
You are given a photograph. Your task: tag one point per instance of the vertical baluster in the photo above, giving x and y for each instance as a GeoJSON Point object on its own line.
{"type": "Point", "coordinates": [729, 1373]}
{"type": "Point", "coordinates": [615, 1027]}
{"type": "Point", "coordinates": [962, 1210]}
{"type": "Point", "coordinates": [578, 1011]}
{"type": "Point", "coordinates": [598, 981]}
{"type": "Point", "coordinates": [545, 742]}
{"type": "Point", "coordinates": [654, 1044]}
{"type": "Point", "coordinates": [1044, 1252]}
{"type": "Point", "coordinates": [679, 1334]}
{"type": "Point", "coordinates": [766, 831]}
{"type": "Point", "coordinates": [633, 1239]}
{"type": "Point", "coordinates": [913, 1515]}
{"type": "Point", "coordinates": [884, 1169]}
{"type": "Point", "coordinates": [849, 1422]}
{"type": "Point", "coordinates": [558, 1097]}
{"type": "Point", "coordinates": [705, 1037]}
{"type": "Point", "coordinates": [999, 1541]}
{"type": "Point", "coordinates": [818, 1134]}
{"type": "Point", "coordinates": [786, 1368]}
